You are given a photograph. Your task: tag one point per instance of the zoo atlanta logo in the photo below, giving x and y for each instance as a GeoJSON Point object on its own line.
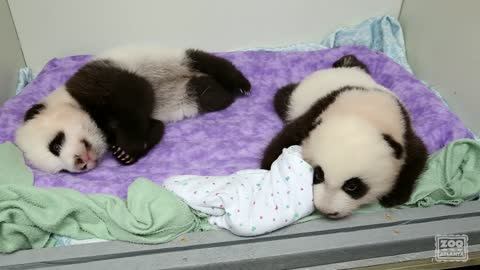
{"type": "Point", "coordinates": [451, 247]}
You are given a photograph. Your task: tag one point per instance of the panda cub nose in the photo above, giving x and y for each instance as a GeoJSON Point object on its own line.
{"type": "Point", "coordinates": [81, 161]}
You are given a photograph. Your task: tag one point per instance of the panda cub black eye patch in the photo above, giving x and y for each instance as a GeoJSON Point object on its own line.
{"type": "Point", "coordinates": [355, 187]}
{"type": "Point", "coordinates": [318, 175]}
{"type": "Point", "coordinates": [55, 145]}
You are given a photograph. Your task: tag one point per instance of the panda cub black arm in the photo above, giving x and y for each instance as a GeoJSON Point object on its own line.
{"type": "Point", "coordinates": [121, 103]}
{"type": "Point", "coordinates": [128, 151]}
{"type": "Point", "coordinates": [287, 137]}
{"type": "Point", "coordinates": [282, 99]}
{"type": "Point", "coordinates": [415, 163]}
{"type": "Point", "coordinates": [292, 134]}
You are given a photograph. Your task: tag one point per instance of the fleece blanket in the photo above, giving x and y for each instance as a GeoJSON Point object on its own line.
{"type": "Point", "coordinates": [231, 140]}
{"type": "Point", "coordinates": [150, 215]}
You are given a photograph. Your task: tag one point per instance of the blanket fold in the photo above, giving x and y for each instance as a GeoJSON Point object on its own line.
{"type": "Point", "coordinates": [151, 214]}
{"type": "Point", "coordinates": [452, 176]}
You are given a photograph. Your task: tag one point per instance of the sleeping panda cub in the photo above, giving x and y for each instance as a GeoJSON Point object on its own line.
{"type": "Point", "coordinates": [356, 135]}
{"type": "Point", "coordinates": [119, 101]}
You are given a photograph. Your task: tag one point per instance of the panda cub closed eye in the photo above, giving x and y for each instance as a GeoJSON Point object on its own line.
{"type": "Point", "coordinates": [55, 146]}
{"type": "Point", "coordinates": [119, 101]}
{"type": "Point", "coordinates": [356, 135]}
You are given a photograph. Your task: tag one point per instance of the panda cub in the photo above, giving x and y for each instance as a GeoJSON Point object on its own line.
{"type": "Point", "coordinates": [356, 135]}
{"type": "Point", "coordinates": [120, 100]}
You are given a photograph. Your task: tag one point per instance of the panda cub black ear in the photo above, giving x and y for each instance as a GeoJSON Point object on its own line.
{"type": "Point", "coordinates": [33, 111]}
{"type": "Point", "coordinates": [396, 147]}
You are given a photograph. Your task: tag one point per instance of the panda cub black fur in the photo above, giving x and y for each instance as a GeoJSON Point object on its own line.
{"type": "Point", "coordinates": [121, 100]}
{"type": "Point", "coordinates": [355, 133]}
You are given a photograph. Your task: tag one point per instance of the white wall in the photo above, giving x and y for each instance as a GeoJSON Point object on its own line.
{"type": "Point", "coordinates": [11, 58]}
{"type": "Point", "coordinates": [54, 28]}
{"type": "Point", "coordinates": [443, 43]}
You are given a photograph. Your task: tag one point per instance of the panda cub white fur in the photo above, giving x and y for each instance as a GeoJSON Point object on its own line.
{"type": "Point", "coordinates": [120, 100]}
{"type": "Point", "coordinates": [355, 133]}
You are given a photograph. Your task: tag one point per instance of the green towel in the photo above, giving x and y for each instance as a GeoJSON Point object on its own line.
{"type": "Point", "coordinates": [151, 214]}
{"type": "Point", "coordinates": [452, 176]}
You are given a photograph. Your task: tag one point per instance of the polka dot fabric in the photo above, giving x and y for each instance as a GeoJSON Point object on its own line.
{"type": "Point", "coordinates": [252, 202]}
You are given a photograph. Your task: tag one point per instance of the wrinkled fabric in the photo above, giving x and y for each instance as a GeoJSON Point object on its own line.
{"type": "Point", "coordinates": [452, 176]}
{"type": "Point", "coordinates": [25, 76]}
{"type": "Point", "coordinates": [252, 202]}
{"type": "Point", "coordinates": [151, 215]}
{"type": "Point", "coordinates": [231, 140]}
{"type": "Point", "coordinates": [382, 34]}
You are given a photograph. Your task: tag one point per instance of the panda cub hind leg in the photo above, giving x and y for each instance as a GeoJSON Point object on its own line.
{"type": "Point", "coordinates": [211, 96]}
{"type": "Point", "coordinates": [221, 70]}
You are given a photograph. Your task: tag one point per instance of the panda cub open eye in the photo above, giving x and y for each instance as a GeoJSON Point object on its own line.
{"type": "Point", "coordinates": [355, 187]}
{"type": "Point", "coordinates": [318, 175]}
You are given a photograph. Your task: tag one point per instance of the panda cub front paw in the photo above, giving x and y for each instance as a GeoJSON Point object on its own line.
{"type": "Point", "coordinates": [121, 156]}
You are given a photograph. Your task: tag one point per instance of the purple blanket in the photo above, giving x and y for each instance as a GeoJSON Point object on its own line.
{"type": "Point", "coordinates": [224, 142]}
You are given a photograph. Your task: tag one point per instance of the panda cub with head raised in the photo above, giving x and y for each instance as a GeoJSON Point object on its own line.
{"type": "Point", "coordinates": [356, 135]}
{"type": "Point", "coordinates": [120, 100]}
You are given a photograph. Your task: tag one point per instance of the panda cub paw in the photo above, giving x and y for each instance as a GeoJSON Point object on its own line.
{"type": "Point", "coordinates": [240, 84]}
{"type": "Point", "coordinates": [122, 156]}
{"type": "Point", "coordinates": [129, 151]}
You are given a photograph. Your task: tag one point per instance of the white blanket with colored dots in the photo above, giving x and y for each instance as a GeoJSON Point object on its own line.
{"type": "Point", "coordinates": [252, 202]}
